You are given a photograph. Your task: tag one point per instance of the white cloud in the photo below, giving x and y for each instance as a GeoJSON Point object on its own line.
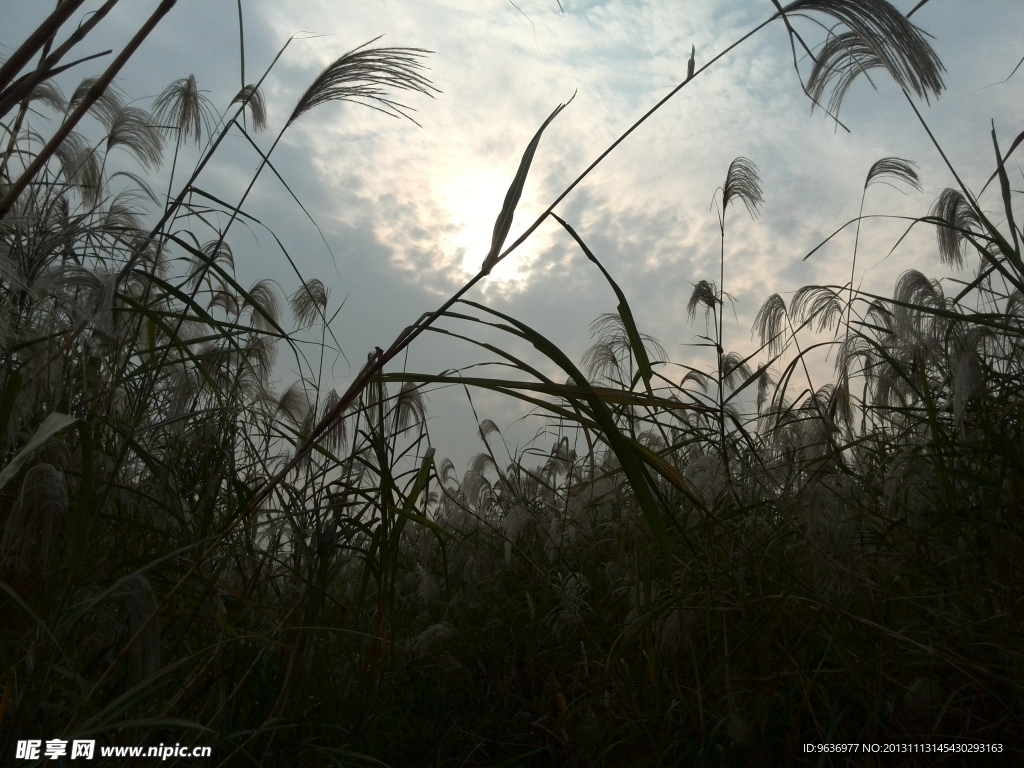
{"type": "Point", "coordinates": [409, 211]}
{"type": "Point", "coordinates": [432, 195]}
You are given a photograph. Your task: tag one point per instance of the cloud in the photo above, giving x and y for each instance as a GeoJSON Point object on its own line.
{"type": "Point", "coordinates": [408, 211]}
{"type": "Point", "coordinates": [647, 210]}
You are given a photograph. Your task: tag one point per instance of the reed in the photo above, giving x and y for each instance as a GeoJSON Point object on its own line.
{"type": "Point", "coordinates": [689, 563]}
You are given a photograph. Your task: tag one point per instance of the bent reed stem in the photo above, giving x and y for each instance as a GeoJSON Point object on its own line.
{"type": "Point", "coordinates": [381, 357]}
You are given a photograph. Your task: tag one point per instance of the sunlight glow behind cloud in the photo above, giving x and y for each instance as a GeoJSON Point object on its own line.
{"type": "Point", "coordinates": [647, 211]}
{"type": "Point", "coordinates": [409, 211]}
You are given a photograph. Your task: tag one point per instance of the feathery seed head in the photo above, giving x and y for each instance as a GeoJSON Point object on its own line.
{"type": "Point", "coordinates": [334, 438]}
{"type": "Point", "coordinates": [135, 130]}
{"type": "Point", "coordinates": [877, 36]}
{"type": "Point", "coordinates": [1015, 304]}
{"type": "Point", "coordinates": [183, 107]}
{"type": "Point", "coordinates": [81, 167]}
{"type": "Point", "coordinates": [914, 325]}
{"type": "Point", "coordinates": [765, 382]}
{"type": "Point", "coordinates": [486, 428]}
{"type": "Point", "coordinates": [517, 521]}
{"type": "Point", "coordinates": [819, 304]}
{"type": "Point", "coordinates": [138, 599]}
{"type": "Point", "coordinates": [34, 528]}
{"type": "Point", "coordinates": [294, 403]}
{"type": "Point", "coordinates": [893, 169]}
{"type": "Point", "coordinates": [106, 108]}
{"type": "Point", "coordinates": [572, 588]}
{"type": "Point", "coordinates": [957, 221]}
{"type": "Point", "coordinates": [308, 302]}
{"type": "Point", "coordinates": [367, 76]}
{"type": "Point", "coordinates": [410, 406]}
{"type": "Point", "coordinates": [427, 588]}
{"type": "Point", "coordinates": [262, 298]}
{"type": "Point", "coordinates": [768, 323]}
{"type": "Point", "coordinates": [213, 252]}
{"type": "Point", "coordinates": [701, 379]}
{"type": "Point", "coordinates": [704, 293]}
{"type": "Point", "coordinates": [735, 370]}
{"type": "Point", "coordinates": [225, 299]}
{"type": "Point", "coordinates": [613, 347]}
{"type": "Point", "coordinates": [252, 97]}
{"type": "Point", "coordinates": [432, 637]}
{"type": "Point", "coordinates": [50, 94]}
{"type": "Point", "coordinates": [742, 183]}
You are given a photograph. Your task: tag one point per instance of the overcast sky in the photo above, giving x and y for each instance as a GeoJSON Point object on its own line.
{"type": "Point", "coordinates": [408, 211]}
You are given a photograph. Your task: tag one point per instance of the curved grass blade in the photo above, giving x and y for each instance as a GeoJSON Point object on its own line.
{"type": "Point", "coordinates": [1004, 186]}
{"type": "Point", "coordinates": [52, 424]}
{"type": "Point", "coordinates": [504, 221]}
{"type": "Point", "coordinates": [632, 463]}
{"type": "Point", "coordinates": [643, 362]}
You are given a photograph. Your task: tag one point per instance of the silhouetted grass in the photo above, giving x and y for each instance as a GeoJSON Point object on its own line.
{"type": "Point", "coordinates": [706, 565]}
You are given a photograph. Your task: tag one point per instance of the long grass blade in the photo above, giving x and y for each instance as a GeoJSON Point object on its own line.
{"type": "Point", "coordinates": [515, 191]}
{"type": "Point", "coordinates": [643, 362]}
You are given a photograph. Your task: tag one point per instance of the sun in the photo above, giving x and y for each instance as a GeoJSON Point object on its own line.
{"type": "Point", "coordinates": [471, 199]}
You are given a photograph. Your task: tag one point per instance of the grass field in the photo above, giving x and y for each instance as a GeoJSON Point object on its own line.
{"type": "Point", "coordinates": [711, 565]}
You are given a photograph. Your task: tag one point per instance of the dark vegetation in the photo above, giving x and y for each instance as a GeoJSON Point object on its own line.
{"type": "Point", "coordinates": [739, 560]}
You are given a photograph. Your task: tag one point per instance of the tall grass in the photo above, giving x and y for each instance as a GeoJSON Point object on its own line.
{"type": "Point", "coordinates": [689, 565]}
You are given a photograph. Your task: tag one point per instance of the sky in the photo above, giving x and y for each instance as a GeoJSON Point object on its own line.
{"type": "Point", "coordinates": [407, 211]}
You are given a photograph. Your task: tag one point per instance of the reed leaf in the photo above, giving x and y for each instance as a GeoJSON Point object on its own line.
{"type": "Point", "coordinates": [636, 342]}
{"type": "Point", "coordinates": [1004, 188]}
{"type": "Point", "coordinates": [515, 191]}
